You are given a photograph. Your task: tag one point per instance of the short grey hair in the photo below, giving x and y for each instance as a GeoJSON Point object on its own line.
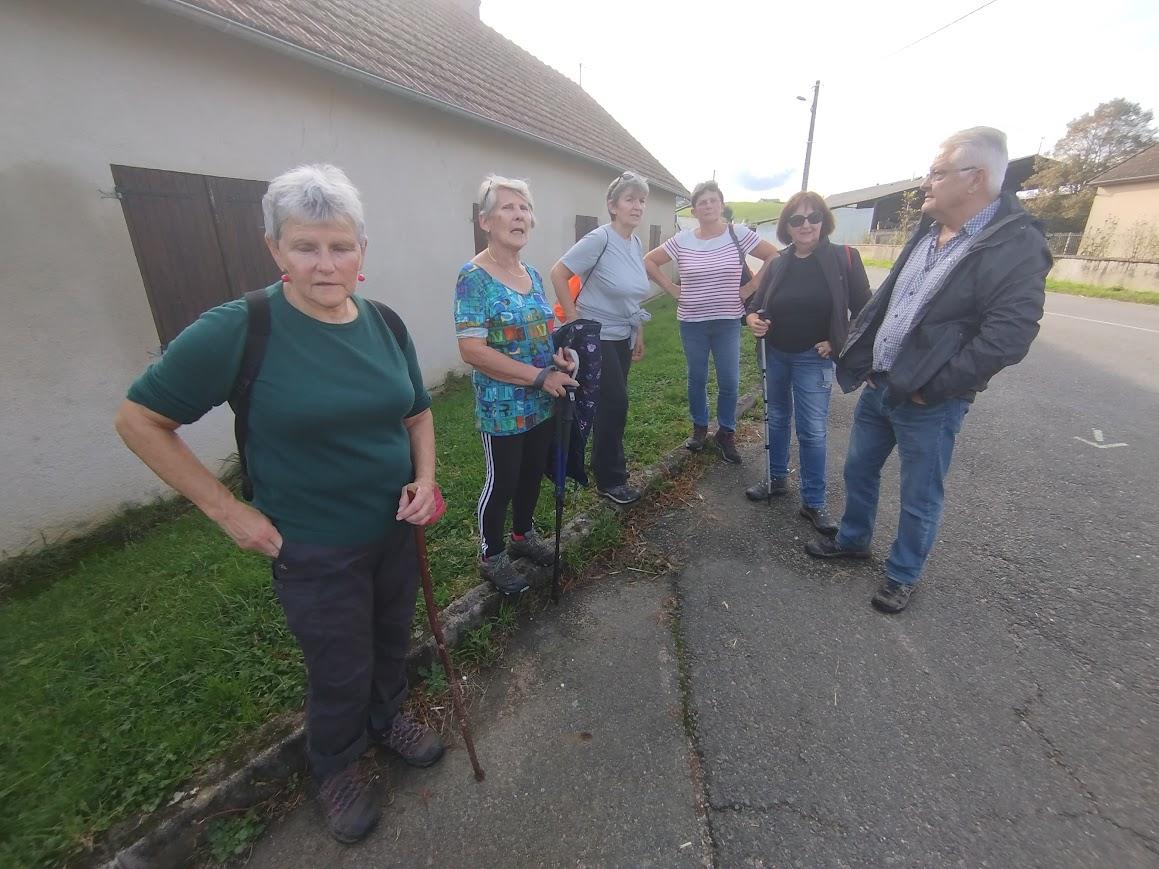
{"type": "Point", "coordinates": [627, 181]}
{"type": "Point", "coordinates": [312, 193]}
{"type": "Point", "coordinates": [706, 187]}
{"type": "Point", "coordinates": [985, 148]}
{"type": "Point", "coordinates": [492, 184]}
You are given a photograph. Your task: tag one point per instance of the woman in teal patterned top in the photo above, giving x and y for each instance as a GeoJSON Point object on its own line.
{"type": "Point", "coordinates": [503, 322]}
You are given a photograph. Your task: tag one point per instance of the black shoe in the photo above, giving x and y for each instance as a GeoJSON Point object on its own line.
{"type": "Point", "coordinates": [826, 547]}
{"type": "Point", "coordinates": [821, 520]}
{"type": "Point", "coordinates": [699, 436]}
{"type": "Point", "coordinates": [620, 494]}
{"type": "Point", "coordinates": [503, 575]}
{"type": "Point", "coordinates": [726, 443]}
{"type": "Point", "coordinates": [348, 802]}
{"type": "Point", "coordinates": [892, 597]}
{"type": "Point", "coordinates": [758, 492]}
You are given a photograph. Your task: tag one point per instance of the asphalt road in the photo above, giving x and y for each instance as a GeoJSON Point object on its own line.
{"type": "Point", "coordinates": [1010, 717]}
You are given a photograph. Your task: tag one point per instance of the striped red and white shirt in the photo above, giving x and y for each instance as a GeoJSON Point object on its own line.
{"type": "Point", "coordinates": [710, 273]}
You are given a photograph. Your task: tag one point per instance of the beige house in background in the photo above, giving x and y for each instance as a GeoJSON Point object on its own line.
{"type": "Point", "coordinates": [138, 139]}
{"type": "Point", "coordinates": [1124, 219]}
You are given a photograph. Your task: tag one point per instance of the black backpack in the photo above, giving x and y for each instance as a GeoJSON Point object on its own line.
{"type": "Point", "coordinates": [257, 336]}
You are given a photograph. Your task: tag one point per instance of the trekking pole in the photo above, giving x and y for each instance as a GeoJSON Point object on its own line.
{"type": "Point", "coordinates": [441, 643]}
{"type": "Point", "coordinates": [564, 414]}
{"type": "Point", "coordinates": [765, 410]}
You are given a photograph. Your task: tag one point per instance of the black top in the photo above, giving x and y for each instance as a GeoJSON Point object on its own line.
{"type": "Point", "coordinates": [800, 307]}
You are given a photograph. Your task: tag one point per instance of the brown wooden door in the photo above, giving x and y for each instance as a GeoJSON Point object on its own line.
{"type": "Point", "coordinates": [198, 239]}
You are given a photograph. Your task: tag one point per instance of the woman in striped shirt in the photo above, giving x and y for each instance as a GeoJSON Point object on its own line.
{"type": "Point", "coordinates": [710, 300]}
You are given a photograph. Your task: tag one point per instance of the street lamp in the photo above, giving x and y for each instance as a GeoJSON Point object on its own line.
{"type": "Point", "coordinates": [809, 144]}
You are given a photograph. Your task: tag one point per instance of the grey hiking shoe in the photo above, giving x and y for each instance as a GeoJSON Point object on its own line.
{"type": "Point", "coordinates": [821, 519]}
{"type": "Point", "coordinates": [501, 573]}
{"type": "Point", "coordinates": [726, 443]}
{"type": "Point", "coordinates": [348, 802]}
{"type": "Point", "coordinates": [892, 597]}
{"type": "Point", "coordinates": [761, 492]}
{"type": "Point", "coordinates": [699, 436]}
{"type": "Point", "coordinates": [415, 743]}
{"type": "Point", "coordinates": [620, 494]}
{"type": "Point", "coordinates": [539, 549]}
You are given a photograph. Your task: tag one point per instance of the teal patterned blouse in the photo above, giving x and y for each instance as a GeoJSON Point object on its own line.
{"type": "Point", "coordinates": [516, 324]}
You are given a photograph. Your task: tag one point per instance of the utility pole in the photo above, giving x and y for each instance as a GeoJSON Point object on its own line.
{"type": "Point", "coordinates": [809, 144]}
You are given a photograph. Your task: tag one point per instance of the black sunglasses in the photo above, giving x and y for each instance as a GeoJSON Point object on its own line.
{"type": "Point", "coordinates": [798, 220]}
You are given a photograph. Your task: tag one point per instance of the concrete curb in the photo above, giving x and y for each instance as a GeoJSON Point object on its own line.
{"type": "Point", "coordinates": [175, 832]}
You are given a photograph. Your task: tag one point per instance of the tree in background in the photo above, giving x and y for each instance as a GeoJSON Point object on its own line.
{"type": "Point", "coordinates": [1093, 143]}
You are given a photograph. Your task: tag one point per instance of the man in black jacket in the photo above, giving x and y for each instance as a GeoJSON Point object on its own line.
{"type": "Point", "coordinates": [961, 303]}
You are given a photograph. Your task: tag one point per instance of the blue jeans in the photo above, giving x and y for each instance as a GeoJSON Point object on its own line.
{"type": "Point", "coordinates": [924, 436]}
{"type": "Point", "coordinates": [803, 381]}
{"type": "Point", "coordinates": [722, 339]}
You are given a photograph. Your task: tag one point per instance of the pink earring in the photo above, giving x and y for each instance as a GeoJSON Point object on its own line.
{"type": "Point", "coordinates": [285, 279]}
{"type": "Point", "coordinates": [361, 276]}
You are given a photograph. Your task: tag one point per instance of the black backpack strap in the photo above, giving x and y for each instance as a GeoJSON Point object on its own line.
{"type": "Point", "coordinates": [257, 336]}
{"type": "Point", "coordinates": [746, 274]}
{"type": "Point", "coordinates": [591, 271]}
{"type": "Point", "coordinates": [393, 322]}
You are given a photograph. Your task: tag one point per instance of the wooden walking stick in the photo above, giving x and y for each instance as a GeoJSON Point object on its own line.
{"type": "Point", "coordinates": [440, 639]}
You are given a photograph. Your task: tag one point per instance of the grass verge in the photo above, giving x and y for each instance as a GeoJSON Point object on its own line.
{"type": "Point", "coordinates": [148, 654]}
{"type": "Point", "coordinates": [1070, 288]}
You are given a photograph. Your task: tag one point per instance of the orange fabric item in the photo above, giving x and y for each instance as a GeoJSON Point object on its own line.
{"type": "Point", "coordinates": [574, 284]}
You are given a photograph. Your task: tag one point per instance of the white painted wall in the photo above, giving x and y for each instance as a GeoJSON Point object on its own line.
{"type": "Point", "coordinates": [90, 84]}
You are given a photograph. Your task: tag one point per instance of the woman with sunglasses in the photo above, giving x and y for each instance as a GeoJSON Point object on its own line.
{"type": "Point", "coordinates": [802, 311]}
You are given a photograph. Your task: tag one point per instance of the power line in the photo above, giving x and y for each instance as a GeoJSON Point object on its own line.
{"type": "Point", "coordinates": [940, 29]}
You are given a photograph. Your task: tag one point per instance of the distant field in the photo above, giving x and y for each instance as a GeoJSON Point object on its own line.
{"type": "Point", "coordinates": [748, 212]}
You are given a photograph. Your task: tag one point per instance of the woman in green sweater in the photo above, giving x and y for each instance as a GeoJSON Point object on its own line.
{"type": "Point", "coordinates": [339, 425]}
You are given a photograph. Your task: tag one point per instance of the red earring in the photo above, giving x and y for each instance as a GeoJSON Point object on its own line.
{"type": "Point", "coordinates": [361, 276]}
{"type": "Point", "coordinates": [285, 279]}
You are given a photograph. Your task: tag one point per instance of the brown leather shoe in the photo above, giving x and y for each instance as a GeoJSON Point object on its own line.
{"type": "Point", "coordinates": [415, 743]}
{"type": "Point", "coordinates": [349, 803]}
{"type": "Point", "coordinates": [699, 436]}
{"type": "Point", "coordinates": [726, 443]}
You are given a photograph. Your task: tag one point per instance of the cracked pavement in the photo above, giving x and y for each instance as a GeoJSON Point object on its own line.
{"type": "Point", "coordinates": [749, 709]}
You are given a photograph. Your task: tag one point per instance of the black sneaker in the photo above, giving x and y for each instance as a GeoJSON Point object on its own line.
{"type": "Point", "coordinates": [758, 492]}
{"type": "Point", "coordinates": [348, 802]}
{"type": "Point", "coordinates": [538, 549]}
{"type": "Point", "coordinates": [699, 436]}
{"type": "Point", "coordinates": [415, 743]}
{"type": "Point", "coordinates": [620, 494]}
{"type": "Point", "coordinates": [726, 443]}
{"type": "Point", "coordinates": [501, 573]}
{"type": "Point", "coordinates": [892, 597]}
{"type": "Point", "coordinates": [821, 520]}
{"type": "Point", "coordinates": [827, 547]}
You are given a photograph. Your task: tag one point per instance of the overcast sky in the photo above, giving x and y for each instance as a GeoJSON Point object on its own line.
{"type": "Point", "coordinates": [711, 86]}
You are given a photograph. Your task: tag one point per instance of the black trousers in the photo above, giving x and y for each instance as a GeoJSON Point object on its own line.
{"type": "Point", "coordinates": [514, 470]}
{"type": "Point", "coordinates": [350, 609]}
{"type": "Point", "coordinates": [608, 462]}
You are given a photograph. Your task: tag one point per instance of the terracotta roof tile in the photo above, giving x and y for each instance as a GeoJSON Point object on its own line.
{"type": "Point", "coordinates": [444, 53]}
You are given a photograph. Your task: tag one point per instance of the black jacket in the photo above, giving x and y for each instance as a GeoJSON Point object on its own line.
{"type": "Point", "coordinates": [845, 275]}
{"type": "Point", "coordinates": [982, 317]}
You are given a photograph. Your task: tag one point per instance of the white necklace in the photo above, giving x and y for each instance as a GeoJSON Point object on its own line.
{"type": "Point", "coordinates": [522, 268]}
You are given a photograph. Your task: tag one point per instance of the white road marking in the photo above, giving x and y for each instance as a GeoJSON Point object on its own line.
{"type": "Point", "coordinates": [1102, 322]}
{"type": "Point", "coordinates": [1097, 443]}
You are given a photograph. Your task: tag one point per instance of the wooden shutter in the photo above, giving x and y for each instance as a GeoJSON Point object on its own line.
{"type": "Point", "coordinates": [172, 228]}
{"type": "Point", "coordinates": [198, 239]}
{"type": "Point", "coordinates": [237, 213]}
{"type": "Point", "coordinates": [583, 225]}
{"type": "Point", "coordinates": [654, 236]}
{"type": "Point", "coordinates": [480, 236]}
